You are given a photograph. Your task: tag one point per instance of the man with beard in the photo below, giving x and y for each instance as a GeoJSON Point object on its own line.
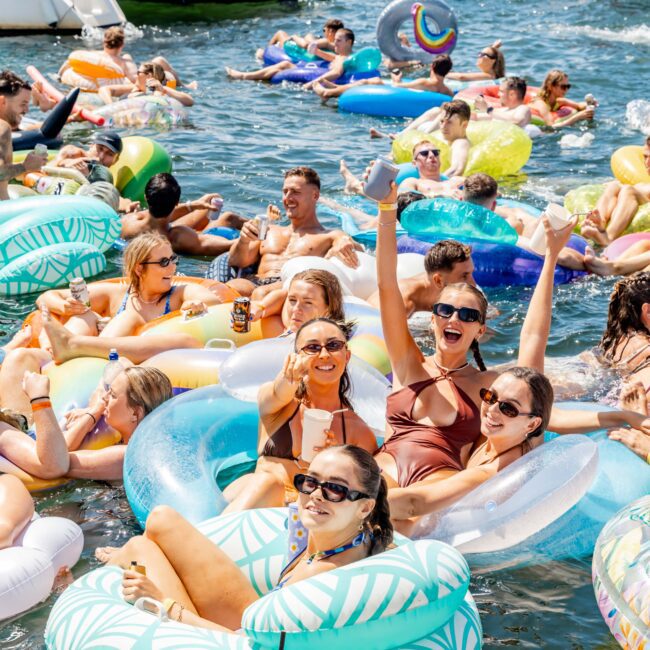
{"type": "Point", "coordinates": [15, 95]}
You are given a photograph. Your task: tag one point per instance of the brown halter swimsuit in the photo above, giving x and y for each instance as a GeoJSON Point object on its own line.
{"type": "Point", "coordinates": [421, 449]}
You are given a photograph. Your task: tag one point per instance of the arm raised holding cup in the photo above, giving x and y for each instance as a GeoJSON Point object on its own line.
{"type": "Point", "coordinates": [305, 409]}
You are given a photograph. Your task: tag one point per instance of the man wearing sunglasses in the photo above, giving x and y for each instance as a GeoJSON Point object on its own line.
{"type": "Point", "coordinates": [180, 223]}
{"type": "Point", "coordinates": [304, 235]}
{"type": "Point", "coordinates": [15, 95]}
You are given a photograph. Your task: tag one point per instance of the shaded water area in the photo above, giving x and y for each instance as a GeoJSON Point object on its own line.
{"type": "Point", "coordinates": [244, 134]}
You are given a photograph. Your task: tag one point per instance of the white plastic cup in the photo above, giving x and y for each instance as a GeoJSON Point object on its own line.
{"type": "Point", "coordinates": [558, 218]}
{"type": "Point", "coordinates": [314, 424]}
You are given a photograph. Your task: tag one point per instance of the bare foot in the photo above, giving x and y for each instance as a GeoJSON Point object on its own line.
{"type": "Point", "coordinates": [633, 398]}
{"type": "Point", "coordinates": [324, 93]}
{"type": "Point", "coordinates": [591, 231]}
{"type": "Point", "coordinates": [352, 184]}
{"type": "Point", "coordinates": [376, 133]}
{"type": "Point", "coordinates": [636, 440]}
{"type": "Point", "coordinates": [62, 579]}
{"type": "Point", "coordinates": [21, 339]}
{"type": "Point", "coordinates": [105, 553]}
{"type": "Point", "coordinates": [234, 74]}
{"type": "Point", "coordinates": [193, 85]}
{"type": "Point", "coordinates": [61, 341]}
{"type": "Point", "coordinates": [598, 265]}
{"type": "Point", "coordinates": [259, 53]}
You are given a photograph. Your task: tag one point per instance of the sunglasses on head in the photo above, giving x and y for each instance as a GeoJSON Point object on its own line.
{"type": "Point", "coordinates": [565, 86]}
{"type": "Point", "coordinates": [509, 410]}
{"type": "Point", "coordinates": [335, 345]}
{"type": "Point", "coordinates": [466, 314]}
{"type": "Point", "coordinates": [425, 152]}
{"type": "Point", "coordinates": [485, 55]}
{"type": "Point", "coordinates": [164, 261]}
{"type": "Point", "coordinates": [334, 492]}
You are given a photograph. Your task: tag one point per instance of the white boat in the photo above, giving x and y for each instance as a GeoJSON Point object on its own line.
{"type": "Point", "coordinates": [67, 16]}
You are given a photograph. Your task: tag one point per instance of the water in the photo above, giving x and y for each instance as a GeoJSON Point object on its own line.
{"type": "Point", "coordinates": [243, 135]}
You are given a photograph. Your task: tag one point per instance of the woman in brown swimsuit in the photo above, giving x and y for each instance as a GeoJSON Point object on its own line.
{"type": "Point", "coordinates": [433, 415]}
{"type": "Point", "coordinates": [313, 376]}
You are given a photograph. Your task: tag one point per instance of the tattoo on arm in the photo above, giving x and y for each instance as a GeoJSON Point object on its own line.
{"type": "Point", "coordinates": [7, 172]}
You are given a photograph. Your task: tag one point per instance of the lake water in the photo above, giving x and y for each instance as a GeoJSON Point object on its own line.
{"type": "Point", "coordinates": [243, 135]}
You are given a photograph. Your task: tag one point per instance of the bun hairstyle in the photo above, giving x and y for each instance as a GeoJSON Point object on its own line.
{"type": "Point", "coordinates": [483, 305]}
{"type": "Point", "coordinates": [345, 385]}
{"type": "Point", "coordinates": [378, 522]}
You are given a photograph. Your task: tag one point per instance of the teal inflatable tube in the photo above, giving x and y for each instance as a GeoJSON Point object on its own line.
{"type": "Point", "coordinates": [412, 596]}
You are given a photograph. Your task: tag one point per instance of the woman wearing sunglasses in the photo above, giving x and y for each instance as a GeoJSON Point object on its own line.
{"type": "Point", "coordinates": [553, 108]}
{"type": "Point", "coordinates": [490, 62]}
{"type": "Point", "coordinates": [436, 427]}
{"type": "Point", "coordinates": [341, 502]}
{"type": "Point", "coordinates": [314, 376]}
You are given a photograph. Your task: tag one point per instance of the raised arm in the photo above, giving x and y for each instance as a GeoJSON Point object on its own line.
{"type": "Point", "coordinates": [537, 325]}
{"type": "Point", "coordinates": [565, 421]}
{"type": "Point", "coordinates": [61, 302]}
{"type": "Point", "coordinates": [405, 356]}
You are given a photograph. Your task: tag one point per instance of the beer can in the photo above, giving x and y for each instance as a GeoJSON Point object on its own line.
{"type": "Point", "coordinates": [241, 309]}
{"type": "Point", "coordinates": [263, 226]}
{"type": "Point", "coordinates": [217, 205]}
{"type": "Point", "coordinates": [79, 291]}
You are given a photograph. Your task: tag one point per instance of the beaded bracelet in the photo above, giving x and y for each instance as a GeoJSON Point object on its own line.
{"type": "Point", "coordinates": [41, 405]}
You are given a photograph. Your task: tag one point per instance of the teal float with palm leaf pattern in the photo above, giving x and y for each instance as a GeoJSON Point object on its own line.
{"type": "Point", "coordinates": [45, 241]}
{"type": "Point", "coordinates": [411, 597]}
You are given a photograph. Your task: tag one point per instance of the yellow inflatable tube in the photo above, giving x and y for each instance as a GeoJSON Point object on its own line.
{"type": "Point", "coordinates": [585, 197]}
{"type": "Point", "coordinates": [628, 165]}
{"type": "Point", "coordinates": [498, 148]}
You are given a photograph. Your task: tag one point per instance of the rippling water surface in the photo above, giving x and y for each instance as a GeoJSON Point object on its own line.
{"type": "Point", "coordinates": [244, 134]}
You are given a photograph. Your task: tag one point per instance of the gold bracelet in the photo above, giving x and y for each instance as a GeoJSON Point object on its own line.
{"type": "Point", "coordinates": [387, 207]}
{"type": "Point", "coordinates": [387, 223]}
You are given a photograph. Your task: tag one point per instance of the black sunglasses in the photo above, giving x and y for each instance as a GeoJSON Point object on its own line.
{"type": "Point", "coordinates": [426, 152]}
{"type": "Point", "coordinates": [466, 314]}
{"type": "Point", "coordinates": [334, 492]}
{"type": "Point", "coordinates": [565, 86]}
{"type": "Point", "coordinates": [508, 409]}
{"type": "Point", "coordinates": [487, 56]}
{"type": "Point", "coordinates": [164, 261]}
{"type": "Point", "coordinates": [335, 345]}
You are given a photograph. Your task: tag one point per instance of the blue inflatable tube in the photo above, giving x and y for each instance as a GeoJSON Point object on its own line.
{"type": "Point", "coordinates": [389, 101]}
{"type": "Point", "coordinates": [304, 73]}
{"type": "Point", "coordinates": [498, 265]}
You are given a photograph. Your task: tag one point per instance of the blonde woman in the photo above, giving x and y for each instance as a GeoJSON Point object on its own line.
{"type": "Point", "coordinates": [132, 395]}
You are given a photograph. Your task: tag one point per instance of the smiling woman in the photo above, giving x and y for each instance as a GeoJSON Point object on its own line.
{"type": "Point", "coordinates": [314, 378]}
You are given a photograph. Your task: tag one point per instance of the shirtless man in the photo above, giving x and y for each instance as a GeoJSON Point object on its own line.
{"type": "Point", "coordinates": [326, 42]}
{"type": "Point", "coordinates": [512, 93]}
{"type": "Point", "coordinates": [343, 43]}
{"type": "Point", "coordinates": [303, 236]}
{"type": "Point", "coordinates": [179, 222]}
{"type": "Point", "coordinates": [616, 207]}
{"type": "Point", "coordinates": [446, 262]}
{"type": "Point", "coordinates": [105, 149]}
{"type": "Point", "coordinates": [15, 95]}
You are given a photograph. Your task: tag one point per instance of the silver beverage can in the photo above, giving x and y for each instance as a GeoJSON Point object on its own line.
{"type": "Point", "coordinates": [79, 291]}
{"type": "Point", "coordinates": [263, 226]}
{"type": "Point", "coordinates": [217, 206]}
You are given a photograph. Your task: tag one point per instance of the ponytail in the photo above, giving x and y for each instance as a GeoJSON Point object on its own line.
{"type": "Point", "coordinates": [477, 356]}
{"type": "Point", "coordinates": [379, 522]}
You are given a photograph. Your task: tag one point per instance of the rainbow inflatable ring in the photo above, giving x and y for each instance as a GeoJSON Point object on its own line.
{"type": "Point", "coordinates": [425, 38]}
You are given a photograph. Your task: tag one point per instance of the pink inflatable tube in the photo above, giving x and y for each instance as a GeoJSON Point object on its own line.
{"type": "Point", "coordinates": [620, 245]}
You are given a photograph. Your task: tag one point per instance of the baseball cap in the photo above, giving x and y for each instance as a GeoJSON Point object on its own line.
{"type": "Point", "coordinates": [109, 139]}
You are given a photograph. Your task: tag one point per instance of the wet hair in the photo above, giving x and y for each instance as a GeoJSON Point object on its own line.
{"type": "Point", "coordinates": [309, 174]}
{"type": "Point", "coordinates": [162, 194]}
{"type": "Point", "coordinates": [499, 62]}
{"type": "Point", "coordinates": [147, 388]}
{"type": "Point", "coordinates": [445, 254]}
{"type": "Point", "coordinates": [483, 305]}
{"type": "Point", "coordinates": [348, 33]}
{"type": "Point", "coordinates": [114, 38]}
{"type": "Point", "coordinates": [457, 107]}
{"type": "Point", "coordinates": [334, 24]}
{"type": "Point", "coordinates": [624, 316]}
{"type": "Point", "coordinates": [541, 396]}
{"type": "Point", "coordinates": [345, 385]}
{"type": "Point", "coordinates": [136, 252]}
{"type": "Point", "coordinates": [442, 65]}
{"type": "Point", "coordinates": [11, 84]}
{"type": "Point", "coordinates": [480, 189]}
{"type": "Point", "coordinates": [329, 284]}
{"type": "Point", "coordinates": [553, 78]}
{"type": "Point", "coordinates": [404, 199]}
{"type": "Point", "coordinates": [155, 70]}
{"type": "Point", "coordinates": [374, 484]}
{"type": "Point", "coordinates": [517, 84]}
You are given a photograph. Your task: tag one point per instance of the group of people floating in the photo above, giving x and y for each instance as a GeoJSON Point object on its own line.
{"type": "Point", "coordinates": [452, 423]}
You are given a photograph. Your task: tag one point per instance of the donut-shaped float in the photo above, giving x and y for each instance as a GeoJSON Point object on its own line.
{"type": "Point", "coordinates": [498, 148]}
{"type": "Point", "coordinates": [621, 574]}
{"type": "Point", "coordinates": [620, 245]}
{"type": "Point", "coordinates": [144, 110]}
{"type": "Point", "coordinates": [90, 71]}
{"type": "Point", "coordinates": [584, 199]}
{"type": "Point", "coordinates": [28, 568]}
{"type": "Point", "coordinates": [389, 101]}
{"type": "Point", "coordinates": [628, 165]}
{"type": "Point", "coordinates": [419, 594]}
{"type": "Point", "coordinates": [434, 30]}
